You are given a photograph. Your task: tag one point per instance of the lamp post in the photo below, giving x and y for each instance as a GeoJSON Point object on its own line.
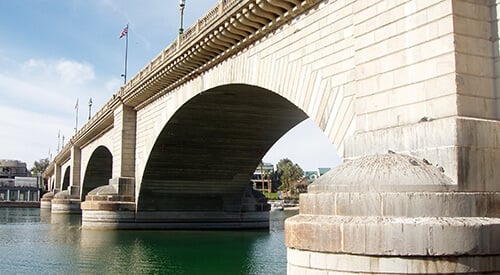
{"type": "Point", "coordinates": [90, 107]}
{"type": "Point", "coordinates": [181, 9]}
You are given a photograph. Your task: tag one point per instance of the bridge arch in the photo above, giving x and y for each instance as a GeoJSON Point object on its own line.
{"type": "Point", "coordinates": [98, 171]}
{"type": "Point", "coordinates": [212, 144]}
{"type": "Point", "coordinates": [66, 178]}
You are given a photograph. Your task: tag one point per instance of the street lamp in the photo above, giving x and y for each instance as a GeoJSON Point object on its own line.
{"type": "Point", "coordinates": [90, 107]}
{"type": "Point", "coordinates": [181, 9]}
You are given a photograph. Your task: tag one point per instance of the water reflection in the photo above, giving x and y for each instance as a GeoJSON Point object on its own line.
{"type": "Point", "coordinates": [171, 252]}
{"type": "Point", "coordinates": [56, 244]}
{"type": "Point", "coordinates": [45, 215]}
{"type": "Point", "coordinates": [19, 215]}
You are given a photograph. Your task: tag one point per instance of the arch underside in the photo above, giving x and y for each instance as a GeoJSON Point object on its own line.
{"type": "Point", "coordinates": [66, 178]}
{"type": "Point", "coordinates": [204, 157]}
{"type": "Point", "coordinates": [99, 170]}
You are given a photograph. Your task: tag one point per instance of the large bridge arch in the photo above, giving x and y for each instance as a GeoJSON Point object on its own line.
{"type": "Point", "coordinates": [212, 144]}
{"type": "Point", "coordinates": [98, 170]}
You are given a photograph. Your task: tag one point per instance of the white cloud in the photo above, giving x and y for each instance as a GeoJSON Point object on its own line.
{"type": "Point", "coordinates": [74, 72]}
{"type": "Point", "coordinates": [38, 100]}
{"type": "Point", "coordinates": [53, 85]}
{"type": "Point", "coordinates": [28, 136]}
{"type": "Point", "coordinates": [113, 85]}
{"type": "Point", "coordinates": [33, 64]}
{"type": "Point", "coordinates": [68, 71]}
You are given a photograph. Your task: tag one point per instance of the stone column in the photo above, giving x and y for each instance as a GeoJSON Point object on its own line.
{"type": "Point", "coordinates": [58, 178]}
{"type": "Point", "coordinates": [75, 175]}
{"type": "Point", "coordinates": [430, 90]}
{"type": "Point", "coordinates": [124, 142]}
{"type": "Point", "coordinates": [124, 146]}
{"type": "Point", "coordinates": [68, 201]}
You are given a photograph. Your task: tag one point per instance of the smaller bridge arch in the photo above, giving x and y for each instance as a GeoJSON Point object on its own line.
{"type": "Point", "coordinates": [98, 171]}
{"type": "Point", "coordinates": [65, 181]}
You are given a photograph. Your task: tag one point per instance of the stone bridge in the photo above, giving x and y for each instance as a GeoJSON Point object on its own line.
{"type": "Point", "coordinates": [175, 147]}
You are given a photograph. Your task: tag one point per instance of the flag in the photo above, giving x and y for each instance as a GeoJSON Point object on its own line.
{"type": "Point", "coordinates": [76, 105]}
{"type": "Point", "coordinates": [124, 32]}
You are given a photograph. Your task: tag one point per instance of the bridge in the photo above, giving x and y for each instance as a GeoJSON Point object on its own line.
{"type": "Point", "coordinates": [175, 147]}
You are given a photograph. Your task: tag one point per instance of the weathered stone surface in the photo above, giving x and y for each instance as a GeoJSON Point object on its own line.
{"type": "Point", "coordinates": [302, 262]}
{"type": "Point", "coordinates": [385, 172]}
{"type": "Point", "coordinates": [394, 236]}
{"type": "Point", "coordinates": [382, 214]}
{"type": "Point", "coordinates": [65, 206]}
{"type": "Point", "coordinates": [407, 204]}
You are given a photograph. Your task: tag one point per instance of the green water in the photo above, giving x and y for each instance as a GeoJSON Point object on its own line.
{"type": "Point", "coordinates": [32, 241]}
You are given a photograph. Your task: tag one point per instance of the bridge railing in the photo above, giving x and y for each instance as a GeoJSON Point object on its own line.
{"type": "Point", "coordinates": [191, 34]}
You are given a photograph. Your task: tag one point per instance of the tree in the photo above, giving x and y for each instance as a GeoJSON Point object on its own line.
{"type": "Point", "coordinates": [40, 166]}
{"type": "Point", "coordinates": [289, 174]}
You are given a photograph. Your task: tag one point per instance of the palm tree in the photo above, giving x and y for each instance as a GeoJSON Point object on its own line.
{"type": "Point", "coordinates": [289, 173]}
{"type": "Point", "coordinates": [40, 166]}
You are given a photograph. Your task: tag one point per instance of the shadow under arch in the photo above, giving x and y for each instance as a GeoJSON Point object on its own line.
{"type": "Point", "coordinates": [205, 155]}
{"type": "Point", "coordinates": [99, 170]}
{"type": "Point", "coordinates": [65, 182]}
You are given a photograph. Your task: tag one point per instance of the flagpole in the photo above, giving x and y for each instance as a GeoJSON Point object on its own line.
{"type": "Point", "coordinates": [76, 122]}
{"type": "Point", "coordinates": [126, 57]}
{"type": "Point", "coordinates": [182, 4]}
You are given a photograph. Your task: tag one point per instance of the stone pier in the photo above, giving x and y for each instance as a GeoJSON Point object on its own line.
{"type": "Point", "coordinates": [46, 200]}
{"type": "Point", "coordinates": [393, 214]}
{"type": "Point", "coordinates": [67, 202]}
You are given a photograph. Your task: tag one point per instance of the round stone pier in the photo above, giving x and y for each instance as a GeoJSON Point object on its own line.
{"type": "Point", "coordinates": [46, 200]}
{"type": "Point", "coordinates": [63, 203]}
{"type": "Point", "coordinates": [393, 214]}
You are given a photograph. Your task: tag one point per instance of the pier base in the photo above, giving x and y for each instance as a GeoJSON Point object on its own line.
{"type": "Point", "coordinates": [105, 208]}
{"type": "Point", "coordinates": [129, 219]}
{"type": "Point", "coordinates": [63, 203]}
{"type": "Point", "coordinates": [406, 217]}
{"type": "Point", "coordinates": [46, 200]}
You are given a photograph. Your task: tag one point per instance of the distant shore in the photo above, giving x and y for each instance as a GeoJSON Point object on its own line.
{"type": "Point", "coordinates": [20, 204]}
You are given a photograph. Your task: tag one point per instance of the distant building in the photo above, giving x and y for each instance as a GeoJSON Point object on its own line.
{"type": "Point", "coordinates": [311, 176]}
{"type": "Point", "coordinates": [13, 168]}
{"type": "Point", "coordinates": [323, 171]}
{"type": "Point", "coordinates": [262, 177]}
{"type": "Point", "coordinates": [16, 183]}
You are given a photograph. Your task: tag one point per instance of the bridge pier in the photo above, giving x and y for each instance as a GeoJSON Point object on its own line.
{"type": "Point", "coordinates": [113, 206]}
{"type": "Point", "coordinates": [67, 201]}
{"type": "Point", "coordinates": [46, 200]}
{"type": "Point", "coordinates": [393, 213]}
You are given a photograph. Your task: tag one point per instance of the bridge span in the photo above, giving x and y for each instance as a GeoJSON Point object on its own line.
{"type": "Point", "coordinates": [175, 147]}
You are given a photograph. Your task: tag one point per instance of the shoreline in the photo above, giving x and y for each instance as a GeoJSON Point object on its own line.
{"type": "Point", "coordinates": [20, 204]}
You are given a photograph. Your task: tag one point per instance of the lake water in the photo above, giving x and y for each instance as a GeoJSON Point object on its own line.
{"type": "Point", "coordinates": [35, 241]}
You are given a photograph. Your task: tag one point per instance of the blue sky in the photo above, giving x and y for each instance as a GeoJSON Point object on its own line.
{"type": "Point", "coordinates": [53, 52]}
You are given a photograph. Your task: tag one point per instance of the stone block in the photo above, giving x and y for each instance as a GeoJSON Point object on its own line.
{"type": "Point", "coordinates": [125, 186]}
{"type": "Point", "coordinates": [74, 191]}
